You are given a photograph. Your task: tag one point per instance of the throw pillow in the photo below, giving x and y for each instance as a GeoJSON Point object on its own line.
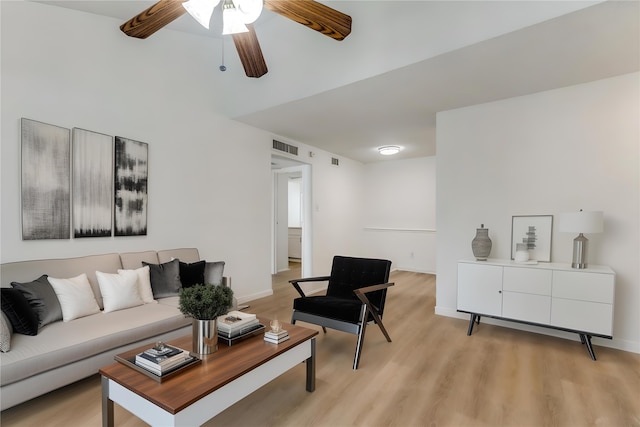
{"type": "Point", "coordinates": [5, 333]}
{"type": "Point", "coordinates": [42, 298]}
{"type": "Point", "coordinates": [75, 296]}
{"type": "Point", "coordinates": [192, 274]}
{"type": "Point", "coordinates": [119, 291]}
{"type": "Point", "coordinates": [144, 284]}
{"type": "Point", "coordinates": [165, 278]}
{"type": "Point", "coordinates": [213, 273]}
{"type": "Point", "coordinates": [22, 316]}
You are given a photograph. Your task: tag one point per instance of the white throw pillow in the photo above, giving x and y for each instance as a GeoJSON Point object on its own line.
{"type": "Point", "coordinates": [75, 296]}
{"type": "Point", "coordinates": [144, 284]}
{"type": "Point", "coordinates": [119, 290]}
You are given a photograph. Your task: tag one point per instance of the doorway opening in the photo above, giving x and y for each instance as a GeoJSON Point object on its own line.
{"type": "Point", "coordinates": [291, 225]}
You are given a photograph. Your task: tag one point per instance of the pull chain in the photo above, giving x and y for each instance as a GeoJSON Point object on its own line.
{"type": "Point", "coordinates": [222, 66]}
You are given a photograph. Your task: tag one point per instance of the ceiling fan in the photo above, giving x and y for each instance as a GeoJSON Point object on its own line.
{"type": "Point", "coordinates": [316, 16]}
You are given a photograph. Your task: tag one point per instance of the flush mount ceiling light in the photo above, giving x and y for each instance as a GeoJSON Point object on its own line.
{"type": "Point", "coordinates": [389, 150]}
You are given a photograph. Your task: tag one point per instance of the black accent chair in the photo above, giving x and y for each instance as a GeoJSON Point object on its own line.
{"type": "Point", "coordinates": [355, 296]}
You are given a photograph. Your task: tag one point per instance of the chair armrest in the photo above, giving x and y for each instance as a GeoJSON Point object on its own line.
{"type": "Point", "coordinates": [307, 279]}
{"type": "Point", "coordinates": [372, 288]}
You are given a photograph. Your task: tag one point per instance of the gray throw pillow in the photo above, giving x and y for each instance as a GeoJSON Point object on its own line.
{"type": "Point", "coordinates": [213, 273]}
{"type": "Point", "coordinates": [165, 278]}
{"type": "Point", "coordinates": [42, 298]}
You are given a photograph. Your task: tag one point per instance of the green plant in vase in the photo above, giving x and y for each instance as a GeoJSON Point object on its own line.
{"type": "Point", "coordinates": [205, 302]}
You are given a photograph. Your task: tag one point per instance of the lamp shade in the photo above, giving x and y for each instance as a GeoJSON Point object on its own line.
{"type": "Point", "coordinates": [580, 222]}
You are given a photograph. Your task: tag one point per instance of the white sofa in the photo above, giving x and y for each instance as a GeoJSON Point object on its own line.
{"type": "Point", "coordinates": [65, 352]}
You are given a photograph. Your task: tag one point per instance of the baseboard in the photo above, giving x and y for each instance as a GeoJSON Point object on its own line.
{"type": "Point", "coordinates": [248, 298]}
{"type": "Point", "coordinates": [616, 343]}
{"type": "Point", "coordinates": [413, 270]}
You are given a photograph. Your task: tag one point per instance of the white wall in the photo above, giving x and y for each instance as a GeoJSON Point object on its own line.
{"type": "Point", "coordinates": [78, 69]}
{"type": "Point", "coordinates": [399, 213]}
{"type": "Point", "coordinates": [75, 70]}
{"type": "Point", "coordinates": [547, 153]}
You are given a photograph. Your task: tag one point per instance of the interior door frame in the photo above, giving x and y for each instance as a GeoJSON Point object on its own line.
{"type": "Point", "coordinates": [307, 218]}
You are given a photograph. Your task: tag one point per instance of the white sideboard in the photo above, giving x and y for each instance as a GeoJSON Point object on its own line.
{"type": "Point", "coordinates": [545, 294]}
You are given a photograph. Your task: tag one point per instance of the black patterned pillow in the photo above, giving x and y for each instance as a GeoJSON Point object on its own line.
{"type": "Point", "coordinates": [16, 307]}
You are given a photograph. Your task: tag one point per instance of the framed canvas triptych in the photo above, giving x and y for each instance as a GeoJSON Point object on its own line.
{"type": "Point", "coordinates": [80, 182]}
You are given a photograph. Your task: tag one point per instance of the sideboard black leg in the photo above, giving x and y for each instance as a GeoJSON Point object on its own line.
{"type": "Point", "coordinates": [471, 320]}
{"type": "Point", "coordinates": [586, 339]}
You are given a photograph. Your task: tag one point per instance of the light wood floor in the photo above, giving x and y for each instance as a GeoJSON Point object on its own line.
{"type": "Point", "coordinates": [432, 374]}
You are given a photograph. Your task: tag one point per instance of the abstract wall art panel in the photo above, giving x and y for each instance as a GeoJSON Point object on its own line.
{"type": "Point", "coordinates": [92, 166]}
{"type": "Point", "coordinates": [131, 172]}
{"type": "Point", "coordinates": [46, 210]}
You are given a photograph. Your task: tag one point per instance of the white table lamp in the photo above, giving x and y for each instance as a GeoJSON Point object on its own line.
{"type": "Point", "coordinates": [580, 222]}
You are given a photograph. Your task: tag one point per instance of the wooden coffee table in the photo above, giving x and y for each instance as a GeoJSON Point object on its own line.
{"type": "Point", "coordinates": [201, 392]}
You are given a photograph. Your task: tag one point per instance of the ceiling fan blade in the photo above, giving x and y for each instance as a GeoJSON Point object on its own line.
{"type": "Point", "coordinates": [314, 15]}
{"type": "Point", "coordinates": [154, 18]}
{"type": "Point", "coordinates": [250, 53]}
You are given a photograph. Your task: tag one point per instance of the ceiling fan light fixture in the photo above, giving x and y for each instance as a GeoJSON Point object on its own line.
{"type": "Point", "coordinates": [250, 9]}
{"type": "Point", "coordinates": [201, 10]}
{"type": "Point", "coordinates": [389, 150]}
{"type": "Point", "coordinates": [232, 19]}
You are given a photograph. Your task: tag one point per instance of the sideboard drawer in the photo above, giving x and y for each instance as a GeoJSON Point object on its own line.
{"type": "Point", "coordinates": [527, 280]}
{"type": "Point", "coordinates": [593, 317]}
{"type": "Point", "coordinates": [583, 286]}
{"type": "Point", "coordinates": [526, 307]}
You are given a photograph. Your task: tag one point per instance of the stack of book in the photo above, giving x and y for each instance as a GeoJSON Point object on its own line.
{"type": "Point", "coordinates": [237, 323]}
{"type": "Point", "coordinates": [162, 361]}
{"type": "Point", "coordinates": [276, 337]}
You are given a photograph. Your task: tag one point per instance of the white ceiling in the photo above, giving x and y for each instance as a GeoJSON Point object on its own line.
{"type": "Point", "coordinates": [405, 61]}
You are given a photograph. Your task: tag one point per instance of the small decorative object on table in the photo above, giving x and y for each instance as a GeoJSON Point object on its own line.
{"type": "Point", "coordinates": [481, 244]}
{"type": "Point", "coordinates": [276, 335]}
{"type": "Point", "coordinates": [522, 253]}
{"type": "Point", "coordinates": [205, 303]}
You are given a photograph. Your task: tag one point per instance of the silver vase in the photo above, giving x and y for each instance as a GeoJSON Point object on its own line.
{"type": "Point", "coordinates": [205, 336]}
{"type": "Point", "coordinates": [481, 244]}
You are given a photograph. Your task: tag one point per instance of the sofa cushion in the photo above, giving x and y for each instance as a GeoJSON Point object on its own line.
{"type": "Point", "coordinates": [183, 254]}
{"type": "Point", "coordinates": [120, 290]}
{"type": "Point", "coordinates": [24, 271]}
{"type": "Point", "coordinates": [5, 333]}
{"type": "Point", "coordinates": [42, 298]}
{"type": "Point", "coordinates": [62, 343]}
{"type": "Point", "coordinates": [192, 274]}
{"type": "Point", "coordinates": [135, 260]}
{"type": "Point", "coordinates": [144, 284]}
{"type": "Point", "coordinates": [165, 278]}
{"type": "Point", "coordinates": [16, 307]}
{"type": "Point", "coordinates": [75, 296]}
